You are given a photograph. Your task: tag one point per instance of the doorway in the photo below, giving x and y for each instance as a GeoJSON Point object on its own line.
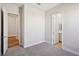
{"type": "Point", "coordinates": [13, 28]}
{"type": "Point", "coordinates": [57, 30]}
{"type": "Point", "coordinates": [9, 31]}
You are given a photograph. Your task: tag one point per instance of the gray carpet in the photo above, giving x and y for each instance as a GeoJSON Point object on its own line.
{"type": "Point", "coordinates": [43, 49]}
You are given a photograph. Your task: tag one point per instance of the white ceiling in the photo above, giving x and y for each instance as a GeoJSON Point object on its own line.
{"type": "Point", "coordinates": [42, 6]}
{"type": "Point", "coordinates": [11, 4]}
{"type": "Point", "coordinates": [45, 6]}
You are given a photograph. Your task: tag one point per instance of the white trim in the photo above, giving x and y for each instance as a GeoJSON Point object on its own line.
{"type": "Point", "coordinates": [72, 51]}
{"type": "Point", "coordinates": [33, 44]}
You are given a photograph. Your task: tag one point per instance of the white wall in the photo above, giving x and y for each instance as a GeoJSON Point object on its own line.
{"type": "Point", "coordinates": [21, 14]}
{"type": "Point", "coordinates": [11, 8]}
{"type": "Point", "coordinates": [48, 22]}
{"type": "Point", "coordinates": [70, 26]}
{"type": "Point", "coordinates": [0, 32]}
{"type": "Point", "coordinates": [71, 29]}
{"type": "Point", "coordinates": [12, 25]}
{"type": "Point", "coordinates": [34, 25]}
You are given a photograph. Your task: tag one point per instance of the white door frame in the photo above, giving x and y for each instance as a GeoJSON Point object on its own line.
{"type": "Point", "coordinates": [53, 37]}
{"type": "Point", "coordinates": [18, 25]}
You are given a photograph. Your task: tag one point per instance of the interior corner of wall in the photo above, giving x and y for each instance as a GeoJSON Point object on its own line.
{"type": "Point", "coordinates": [70, 50]}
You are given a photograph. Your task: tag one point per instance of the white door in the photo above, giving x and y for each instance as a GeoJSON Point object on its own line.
{"type": "Point", "coordinates": [5, 30]}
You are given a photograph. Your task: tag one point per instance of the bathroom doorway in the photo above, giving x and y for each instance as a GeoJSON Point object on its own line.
{"type": "Point", "coordinates": [57, 30]}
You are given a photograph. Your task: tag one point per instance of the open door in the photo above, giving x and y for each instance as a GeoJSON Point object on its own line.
{"type": "Point", "coordinates": [5, 30]}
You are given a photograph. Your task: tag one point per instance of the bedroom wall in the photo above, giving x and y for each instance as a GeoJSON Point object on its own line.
{"type": "Point", "coordinates": [0, 31]}
{"type": "Point", "coordinates": [70, 26]}
{"type": "Point", "coordinates": [34, 25]}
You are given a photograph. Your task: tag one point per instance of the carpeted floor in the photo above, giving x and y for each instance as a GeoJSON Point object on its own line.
{"type": "Point", "coordinates": [43, 49]}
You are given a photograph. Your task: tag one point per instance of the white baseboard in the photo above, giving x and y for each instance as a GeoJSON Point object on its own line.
{"type": "Point", "coordinates": [33, 44]}
{"type": "Point", "coordinates": [72, 51]}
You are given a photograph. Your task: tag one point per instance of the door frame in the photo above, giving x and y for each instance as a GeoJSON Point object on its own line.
{"type": "Point", "coordinates": [53, 28]}
{"type": "Point", "coordinates": [17, 24]}
{"type": "Point", "coordinates": [2, 33]}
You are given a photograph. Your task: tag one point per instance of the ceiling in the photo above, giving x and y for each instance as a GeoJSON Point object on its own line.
{"type": "Point", "coordinates": [45, 6]}
{"type": "Point", "coordinates": [11, 4]}
{"type": "Point", "coordinates": [42, 6]}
